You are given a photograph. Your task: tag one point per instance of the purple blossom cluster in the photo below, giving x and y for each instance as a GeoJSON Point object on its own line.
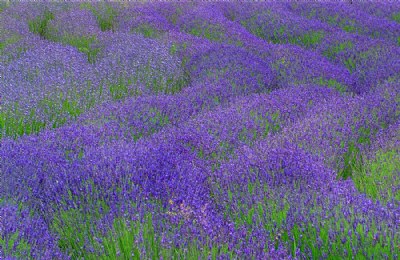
{"type": "Point", "coordinates": [25, 236]}
{"type": "Point", "coordinates": [199, 130]}
{"type": "Point", "coordinates": [133, 18]}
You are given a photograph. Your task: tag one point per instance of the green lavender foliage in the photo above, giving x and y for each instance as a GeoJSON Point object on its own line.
{"type": "Point", "coordinates": [13, 123]}
{"type": "Point", "coordinates": [334, 50]}
{"type": "Point", "coordinates": [352, 162]}
{"type": "Point", "coordinates": [345, 24]}
{"type": "Point", "coordinates": [84, 44]}
{"type": "Point", "coordinates": [309, 39]}
{"type": "Point", "coordinates": [11, 40]}
{"type": "Point", "coordinates": [147, 31]}
{"type": "Point", "coordinates": [106, 18]}
{"type": "Point", "coordinates": [211, 32]}
{"type": "Point", "coordinates": [22, 250]}
{"type": "Point", "coordinates": [3, 5]}
{"type": "Point", "coordinates": [282, 34]}
{"type": "Point", "coordinates": [270, 213]}
{"type": "Point", "coordinates": [132, 239]}
{"type": "Point", "coordinates": [332, 83]}
{"type": "Point", "coordinates": [39, 25]}
{"type": "Point", "coordinates": [57, 111]}
{"type": "Point", "coordinates": [396, 17]}
{"type": "Point", "coordinates": [379, 177]}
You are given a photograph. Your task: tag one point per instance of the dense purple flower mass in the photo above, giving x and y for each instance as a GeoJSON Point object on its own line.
{"type": "Point", "coordinates": [199, 130]}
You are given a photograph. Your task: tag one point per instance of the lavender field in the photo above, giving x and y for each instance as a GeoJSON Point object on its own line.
{"type": "Point", "coordinates": [190, 130]}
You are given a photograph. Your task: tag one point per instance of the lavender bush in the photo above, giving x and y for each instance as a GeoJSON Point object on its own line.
{"type": "Point", "coordinates": [154, 130]}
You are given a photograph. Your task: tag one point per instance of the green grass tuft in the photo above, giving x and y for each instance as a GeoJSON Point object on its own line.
{"type": "Point", "coordinates": [309, 39]}
{"type": "Point", "coordinates": [14, 124]}
{"type": "Point", "coordinates": [56, 110]}
{"type": "Point", "coordinates": [379, 178]}
{"type": "Point", "coordinates": [331, 83]}
{"type": "Point", "coordinates": [119, 90]}
{"type": "Point", "coordinates": [396, 17]}
{"type": "Point", "coordinates": [350, 64]}
{"type": "Point", "coordinates": [147, 31]}
{"type": "Point", "coordinates": [39, 25]}
{"type": "Point", "coordinates": [352, 162]}
{"type": "Point", "coordinates": [83, 44]}
{"type": "Point", "coordinates": [105, 19]}
{"type": "Point", "coordinates": [15, 246]}
{"type": "Point", "coordinates": [210, 31]}
{"type": "Point", "coordinates": [11, 40]}
{"type": "Point", "coordinates": [334, 50]}
{"type": "Point", "coordinates": [346, 25]}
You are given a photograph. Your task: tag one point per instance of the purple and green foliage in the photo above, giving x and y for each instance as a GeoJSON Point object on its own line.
{"type": "Point", "coordinates": [351, 19]}
{"type": "Point", "coordinates": [153, 130]}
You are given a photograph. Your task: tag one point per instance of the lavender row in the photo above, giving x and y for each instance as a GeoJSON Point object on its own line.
{"type": "Point", "coordinates": [351, 19]}
{"type": "Point", "coordinates": [76, 140]}
{"type": "Point", "coordinates": [121, 87]}
{"type": "Point", "coordinates": [247, 181]}
{"type": "Point", "coordinates": [346, 49]}
{"type": "Point", "coordinates": [73, 157]}
{"type": "Point", "coordinates": [165, 158]}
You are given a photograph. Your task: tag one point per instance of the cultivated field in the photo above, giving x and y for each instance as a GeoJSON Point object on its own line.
{"type": "Point", "coordinates": [199, 130]}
